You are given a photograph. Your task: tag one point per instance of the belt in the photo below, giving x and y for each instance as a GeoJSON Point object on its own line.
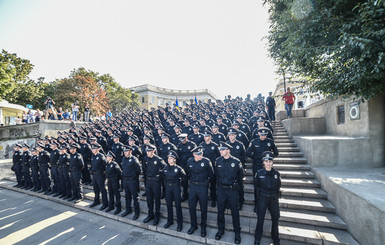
{"type": "Point", "coordinates": [199, 183]}
{"type": "Point", "coordinates": [130, 178]}
{"type": "Point", "coordinates": [63, 166]}
{"type": "Point", "coordinates": [41, 165]}
{"type": "Point", "coordinates": [229, 187]}
{"type": "Point", "coordinates": [98, 172]}
{"type": "Point", "coordinates": [113, 178]}
{"type": "Point", "coordinates": [268, 194]}
{"type": "Point", "coordinates": [74, 169]}
{"type": "Point", "coordinates": [152, 178]}
{"type": "Point", "coordinates": [173, 184]}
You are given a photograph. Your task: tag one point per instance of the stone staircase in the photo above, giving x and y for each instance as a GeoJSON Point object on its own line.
{"type": "Point", "coordinates": [306, 214]}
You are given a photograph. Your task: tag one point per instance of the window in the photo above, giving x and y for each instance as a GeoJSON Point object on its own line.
{"type": "Point", "coordinates": [143, 99]}
{"type": "Point", "coordinates": [340, 114]}
{"type": "Point", "coordinates": [300, 104]}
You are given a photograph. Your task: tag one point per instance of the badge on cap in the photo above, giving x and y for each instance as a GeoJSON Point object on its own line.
{"type": "Point", "coordinates": [232, 165]}
{"type": "Point", "coordinates": [175, 170]}
{"type": "Point", "coordinates": [267, 155]}
{"type": "Point", "coordinates": [202, 164]}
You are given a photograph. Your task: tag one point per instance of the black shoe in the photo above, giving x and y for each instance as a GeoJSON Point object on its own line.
{"type": "Point", "coordinates": [34, 190]}
{"type": "Point", "coordinates": [127, 212]}
{"type": "Point", "coordinates": [120, 189]}
{"type": "Point", "coordinates": [219, 235]}
{"type": "Point", "coordinates": [57, 194]}
{"type": "Point", "coordinates": [78, 200]}
{"type": "Point", "coordinates": [117, 211]}
{"type": "Point", "coordinates": [103, 207]}
{"type": "Point", "coordinates": [191, 230]}
{"type": "Point", "coordinates": [237, 239]}
{"type": "Point", "coordinates": [168, 224]}
{"type": "Point", "coordinates": [94, 204]}
{"type": "Point", "coordinates": [203, 232]}
{"type": "Point", "coordinates": [156, 221]}
{"type": "Point", "coordinates": [108, 209]}
{"type": "Point", "coordinates": [213, 204]}
{"type": "Point", "coordinates": [17, 185]}
{"type": "Point", "coordinates": [62, 196]}
{"type": "Point", "coordinates": [148, 218]}
{"type": "Point", "coordinates": [72, 199]}
{"type": "Point", "coordinates": [163, 195]}
{"type": "Point", "coordinates": [184, 199]}
{"type": "Point", "coordinates": [41, 191]}
{"type": "Point", "coordinates": [179, 228]}
{"type": "Point", "coordinates": [144, 194]}
{"type": "Point", "coordinates": [136, 216]}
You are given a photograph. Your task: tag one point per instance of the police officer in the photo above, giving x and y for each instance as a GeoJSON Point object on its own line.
{"type": "Point", "coordinates": [131, 169]}
{"type": "Point", "coordinates": [217, 136]}
{"type": "Point", "coordinates": [54, 162]}
{"type": "Point", "coordinates": [184, 152]}
{"type": "Point", "coordinates": [76, 165]}
{"type": "Point", "coordinates": [34, 165]}
{"type": "Point", "coordinates": [85, 151]}
{"type": "Point", "coordinates": [44, 158]}
{"type": "Point", "coordinates": [196, 137]}
{"type": "Point", "coordinates": [229, 172]}
{"type": "Point", "coordinates": [17, 160]}
{"type": "Point", "coordinates": [113, 174]}
{"type": "Point", "coordinates": [27, 155]}
{"type": "Point", "coordinates": [201, 171]}
{"type": "Point", "coordinates": [173, 176]}
{"type": "Point", "coordinates": [64, 176]}
{"type": "Point", "coordinates": [153, 166]}
{"type": "Point", "coordinates": [98, 171]}
{"type": "Point", "coordinates": [254, 151]}
{"type": "Point", "coordinates": [117, 149]}
{"type": "Point", "coordinates": [268, 183]}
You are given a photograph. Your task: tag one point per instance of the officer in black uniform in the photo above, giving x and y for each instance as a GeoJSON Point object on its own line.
{"type": "Point", "coordinates": [218, 137]}
{"type": "Point", "coordinates": [184, 152]}
{"type": "Point", "coordinates": [268, 183]}
{"type": "Point", "coordinates": [117, 149]}
{"type": "Point", "coordinates": [153, 166]}
{"type": "Point", "coordinates": [196, 137]}
{"type": "Point", "coordinates": [98, 171]}
{"type": "Point", "coordinates": [85, 151]}
{"type": "Point", "coordinates": [201, 171]}
{"type": "Point", "coordinates": [27, 155]}
{"type": "Point", "coordinates": [76, 165]}
{"type": "Point", "coordinates": [210, 150]}
{"type": "Point", "coordinates": [34, 165]}
{"type": "Point", "coordinates": [64, 176]}
{"type": "Point", "coordinates": [131, 169]}
{"type": "Point", "coordinates": [17, 160]}
{"type": "Point", "coordinates": [229, 172]}
{"type": "Point", "coordinates": [254, 151]}
{"type": "Point", "coordinates": [113, 174]}
{"type": "Point", "coordinates": [44, 158]}
{"type": "Point", "coordinates": [54, 162]}
{"type": "Point", "coordinates": [173, 176]}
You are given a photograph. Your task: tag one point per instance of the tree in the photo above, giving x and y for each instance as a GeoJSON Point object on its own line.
{"type": "Point", "coordinates": [336, 45]}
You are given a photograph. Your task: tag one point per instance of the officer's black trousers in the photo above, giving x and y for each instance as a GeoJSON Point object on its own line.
{"type": "Point", "coordinates": [65, 181]}
{"type": "Point", "coordinates": [36, 178]}
{"type": "Point", "coordinates": [256, 166]}
{"type": "Point", "coordinates": [27, 175]}
{"type": "Point", "coordinates": [213, 188]}
{"type": "Point", "coordinates": [44, 177]}
{"type": "Point", "coordinates": [113, 192]}
{"type": "Point", "coordinates": [173, 194]}
{"type": "Point", "coordinates": [198, 193]}
{"type": "Point", "coordinates": [99, 185]}
{"type": "Point", "coordinates": [76, 184]}
{"type": "Point", "coordinates": [270, 202]}
{"type": "Point", "coordinates": [185, 180]}
{"type": "Point", "coordinates": [19, 173]}
{"type": "Point", "coordinates": [230, 197]}
{"type": "Point", "coordinates": [56, 179]}
{"type": "Point", "coordinates": [86, 176]}
{"type": "Point", "coordinates": [153, 195]}
{"type": "Point", "coordinates": [132, 194]}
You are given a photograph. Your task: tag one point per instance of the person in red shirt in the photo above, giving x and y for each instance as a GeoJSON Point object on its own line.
{"type": "Point", "coordinates": [289, 99]}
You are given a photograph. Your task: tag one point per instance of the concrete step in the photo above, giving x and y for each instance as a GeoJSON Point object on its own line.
{"type": "Point", "coordinates": [279, 144]}
{"type": "Point", "coordinates": [301, 182]}
{"type": "Point", "coordinates": [290, 154]}
{"type": "Point", "coordinates": [282, 166]}
{"type": "Point", "coordinates": [289, 191]}
{"type": "Point", "coordinates": [288, 140]}
{"type": "Point", "coordinates": [280, 133]}
{"type": "Point", "coordinates": [279, 137]}
{"type": "Point", "coordinates": [292, 160]}
{"type": "Point", "coordinates": [248, 219]}
{"type": "Point", "coordinates": [282, 149]}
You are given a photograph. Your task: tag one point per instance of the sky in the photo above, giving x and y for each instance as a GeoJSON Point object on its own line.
{"type": "Point", "coordinates": [175, 44]}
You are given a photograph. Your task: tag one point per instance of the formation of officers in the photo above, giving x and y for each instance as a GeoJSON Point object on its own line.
{"type": "Point", "coordinates": [196, 154]}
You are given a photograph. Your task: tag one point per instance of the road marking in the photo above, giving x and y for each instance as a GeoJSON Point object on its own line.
{"type": "Point", "coordinates": [9, 225]}
{"type": "Point", "coordinates": [4, 210]}
{"type": "Point", "coordinates": [58, 235]}
{"type": "Point", "coordinates": [110, 239]}
{"type": "Point", "coordinates": [6, 217]}
{"type": "Point", "coordinates": [20, 235]}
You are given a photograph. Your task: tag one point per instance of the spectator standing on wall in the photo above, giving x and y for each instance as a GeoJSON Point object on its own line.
{"type": "Point", "coordinates": [87, 113]}
{"type": "Point", "coordinates": [75, 111]}
{"type": "Point", "coordinates": [37, 115]}
{"type": "Point", "coordinates": [289, 99]}
{"type": "Point", "coordinates": [59, 113]}
{"type": "Point", "coordinates": [24, 117]}
{"type": "Point", "coordinates": [270, 103]}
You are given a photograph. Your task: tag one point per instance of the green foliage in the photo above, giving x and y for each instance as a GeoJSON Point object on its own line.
{"type": "Point", "coordinates": [337, 45]}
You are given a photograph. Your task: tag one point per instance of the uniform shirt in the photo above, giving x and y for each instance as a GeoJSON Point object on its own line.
{"type": "Point", "coordinates": [113, 170]}
{"type": "Point", "coordinates": [86, 152]}
{"type": "Point", "coordinates": [153, 166]}
{"type": "Point", "coordinates": [174, 138]}
{"type": "Point", "coordinates": [131, 166]}
{"type": "Point", "coordinates": [256, 135]}
{"type": "Point", "coordinates": [258, 146]}
{"type": "Point", "coordinates": [173, 174]}
{"type": "Point", "coordinates": [64, 160]}
{"type": "Point", "coordinates": [76, 161]}
{"type": "Point", "coordinates": [165, 148]}
{"type": "Point", "coordinates": [268, 182]}
{"type": "Point", "coordinates": [205, 128]}
{"type": "Point", "coordinates": [196, 138]}
{"type": "Point", "coordinates": [217, 138]}
{"type": "Point", "coordinates": [229, 171]}
{"type": "Point", "coordinates": [187, 130]}
{"type": "Point", "coordinates": [210, 151]}
{"type": "Point", "coordinates": [44, 158]}
{"type": "Point", "coordinates": [17, 157]}
{"type": "Point", "coordinates": [102, 141]}
{"type": "Point", "coordinates": [242, 137]}
{"type": "Point", "coordinates": [26, 158]}
{"type": "Point", "coordinates": [34, 163]}
{"type": "Point", "coordinates": [98, 162]}
{"type": "Point", "coordinates": [184, 151]}
{"type": "Point", "coordinates": [223, 128]}
{"type": "Point", "coordinates": [201, 171]}
{"type": "Point", "coordinates": [136, 151]}
{"type": "Point", "coordinates": [117, 149]}
{"type": "Point", "coordinates": [245, 128]}
{"type": "Point", "coordinates": [238, 150]}
{"type": "Point", "coordinates": [54, 159]}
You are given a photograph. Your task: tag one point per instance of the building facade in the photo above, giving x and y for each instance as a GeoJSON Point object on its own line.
{"type": "Point", "coordinates": [303, 96]}
{"type": "Point", "coordinates": [152, 96]}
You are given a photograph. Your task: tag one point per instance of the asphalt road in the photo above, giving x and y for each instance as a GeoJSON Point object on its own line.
{"type": "Point", "coordinates": [30, 220]}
